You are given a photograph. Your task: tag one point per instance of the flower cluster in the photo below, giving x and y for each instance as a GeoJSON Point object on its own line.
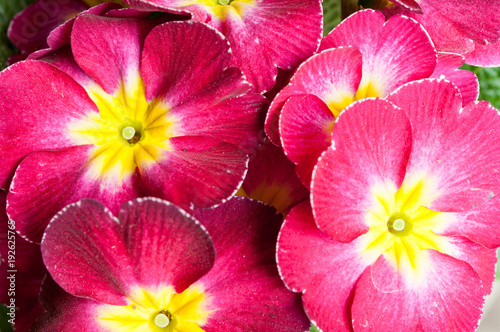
{"type": "Point", "coordinates": [216, 165]}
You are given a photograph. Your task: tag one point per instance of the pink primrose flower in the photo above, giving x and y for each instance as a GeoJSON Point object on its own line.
{"type": "Point", "coordinates": [132, 109]}
{"type": "Point", "coordinates": [405, 212]}
{"type": "Point", "coordinates": [364, 56]}
{"type": "Point", "coordinates": [155, 268]}
{"type": "Point", "coordinates": [263, 34]}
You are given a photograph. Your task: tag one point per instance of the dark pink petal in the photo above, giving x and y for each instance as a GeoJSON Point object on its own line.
{"type": "Point", "coordinates": [198, 171]}
{"type": "Point", "coordinates": [480, 28]}
{"type": "Point", "coordinates": [30, 28]}
{"type": "Point", "coordinates": [331, 76]}
{"type": "Point", "coordinates": [484, 55]}
{"type": "Point", "coordinates": [65, 312]}
{"type": "Point", "coordinates": [372, 143]}
{"type": "Point", "coordinates": [448, 297]}
{"type": "Point", "coordinates": [387, 48]}
{"type": "Point", "coordinates": [306, 131]}
{"type": "Point", "coordinates": [246, 291]}
{"type": "Point", "coordinates": [37, 102]}
{"type": "Point", "coordinates": [465, 80]}
{"type": "Point", "coordinates": [166, 246]}
{"type": "Point", "coordinates": [85, 254]}
{"type": "Point", "coordinates": [180, 59]}
{"type": "Point", "coordinates": [109, 49]}
{"type": "Point", "coordinates": [323, 269]}
{"type": "Point", "coordinates": [45, 182]}
{"type": "Point", "coordinates": [271, 179]}
{"type": "Point", "coordinates": [410, 4]}
{"type": "Point", "coordinates": [273, 33]}
{"type": "Point", "coordinates": [456, 148]}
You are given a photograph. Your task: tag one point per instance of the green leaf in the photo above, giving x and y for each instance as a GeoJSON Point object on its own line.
{"type": "Point", "coordinates": [331, 15]}
{"type": "Point", "coordinates": [489, 83]}
{"type": "Point", "coordinates": [4, 324]}
{"type": "Point", "coordinates": [313, 329]}
{"type": "Point", "coordinates": [8, 8]}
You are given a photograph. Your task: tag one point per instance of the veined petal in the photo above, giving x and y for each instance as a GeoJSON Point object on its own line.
{"type": "Point", "coordinates": [85, 254]}
{"type": "Point", "coordinates": [323, 269]}
{"type": "Point", "coordinates": [372, 143]}
{"type": "Point", "coordinates": [460, 154]}
{"type": "Point", "coordinates": [333, 76]}
{"type": "Point", "coordinates": [213, 169]}
{"type": "Point", "coordinates": [62, 177]}
{"type": "Point", "coordinates": [465, 80]}
{"type": "Point", "coordinates": [448, 297]}
{"type": "Point", "coordinates": [244, 285]}
{"type": "Point", "coordinates": [99, 47]}
{"type": "Point", "coordinates": [306, 125]}
{"type": "Point", "coordinates": [387, 48]}
{"type": "Point", "coordinates": [484, 55]}
{"type": "Point", "coordinates": [166, 246]}
{"type": "Point", "coordinates": [37, 101]}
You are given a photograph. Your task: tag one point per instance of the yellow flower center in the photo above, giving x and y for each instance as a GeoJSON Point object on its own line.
{"type": "Point", "coordinates": [401, 227]}
{"type": "Point", "coordinates": [223, 8]}
{"type": "Point", "coordinates": [127, 133]}
{"type": "Point", "coordinates": [158, 311]}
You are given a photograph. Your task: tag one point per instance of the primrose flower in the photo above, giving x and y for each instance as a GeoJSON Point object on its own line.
{"type": "Point", "coordinates": [453, 28]}
{"type": "Point", "coordinates": [364, 56]}
{"type": "Point", "coordinates": [263, 34]}
{"type": "Point", "coordinates": [155, 268]}
{"type": "Point", "coordinates": [139, 111]}
{"type": "Point", "coordinates": [406, 201]}
{"type": "Point", "coordinates": [271, 179]}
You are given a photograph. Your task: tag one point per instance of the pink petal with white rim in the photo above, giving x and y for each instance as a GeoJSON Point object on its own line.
{"type": "Point", "coordinates": [224, 109]}
{"type": "Point", "coordinates": [449, 297]}
{"type": "Point", "coordinates": [65, 312]}
{"type": "Point", "coordinates": [456, 148]}
{"type": "Point", "coordinates": [306, 131]}
{"type": "Point", "coordinates": [372, 143]}
{"type": "Point", "coordinates": [465, 80]}
{"type": "Point", "coordinates": [99, 49]}
{"type": "Point", "coordinates": [271, 179]}
{"type": "Point", "coordinates": [246, 291]}
{"type": "Point", "coordinates": [85, 254]}
{"type": "Point", "coordinates": [332, 76]}
{"type": "Point", "coordinates": [30, 28]}
{"type": "Point", "coordinates": [270, 34]}
{"type": "Point", "coordinates": [387, 48]}
{"type": "Point", "coordinates": [484, 55]}
{"type": "Point", "coordinates": [176, 65]}
{"type": "Point", "coordinates": [61, 177]}
{"type": "Point", "coordinates": [410, 4]}
{"type": "Point", "coordinates": [166, 246]}
{"type": "Point", "coordinates": [309, 260]}
{"type": "Point", "coordinates": [37, 101]}
{"type": "Point", "coordinates": [213, 170]}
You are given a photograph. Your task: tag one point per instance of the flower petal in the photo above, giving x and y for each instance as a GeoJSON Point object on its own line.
{"type": "Point", "coordinates": [244, 286]}
{"type": "Point", "coordinates": [449, 297]}
{"type": "Point", "coordinates": [166, 246]}
{"type": "Point", "coordinates": [85, 254]}
{"type": "Point", "coordinates": [214, 171]}
{"type": "Point", "coordinates": [372, 143]}
{"type": "Point", "coordinates": [37, 101]}
{"type": "Point", "coordinates": [305, 129]}
{"type": "Point", "coordinates": [61, 177]}
{"type": "Point", "coordinates": [333, 76]}
{"type": "Point", "coordinates": [455, 148]}
{"type": "Point", "coordinates": [323, 269]}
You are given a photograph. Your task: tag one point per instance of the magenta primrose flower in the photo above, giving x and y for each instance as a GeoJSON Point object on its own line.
{"type": "Point", "coordinates": [263, 34]}
{"type": "Point", "coordinates": [364, 56]}
{"type": "Point", "coordinates": [405, 212]}
{"type": "Point", "coordinates": [155, 268]}
{"type": "Point", "coordinates": [139, 111]}
{"type": "Point", "coordinates": [453, 28]}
